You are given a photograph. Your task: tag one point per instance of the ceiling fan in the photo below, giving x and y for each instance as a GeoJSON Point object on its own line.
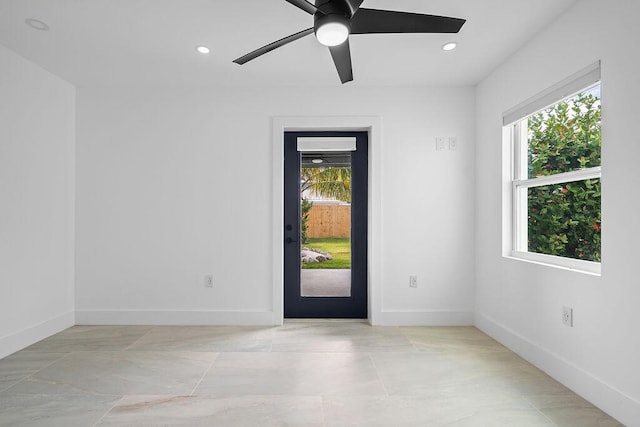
{"type": "Point", "coordinates": [335, 20]}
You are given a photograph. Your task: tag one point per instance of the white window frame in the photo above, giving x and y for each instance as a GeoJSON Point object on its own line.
{"type": "Point", "coordinates": [516, 132]}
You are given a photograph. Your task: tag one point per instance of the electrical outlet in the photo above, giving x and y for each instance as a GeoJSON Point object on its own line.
{"type": "Point", "coordinates": [413, 281]}
{"type": "Point", "coordinates": [208, 281]}
{"type": "Point", "coordinates": [567, 316]}
{"type": "Point", "coordinates": [453, 143]}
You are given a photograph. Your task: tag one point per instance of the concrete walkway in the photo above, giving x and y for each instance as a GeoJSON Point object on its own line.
{"type": "Point", "coordinates": [325, 283]}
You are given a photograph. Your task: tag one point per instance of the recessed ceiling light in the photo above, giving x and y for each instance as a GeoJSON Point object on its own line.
{"type": "Point", "coordinates": [449, 46]}
{"type": "Point", "coordinates": [203, 49]}
{"type": "Point", "coordinates": [317, 161]}
{"type": "Point", "coordinates": [36, 24]}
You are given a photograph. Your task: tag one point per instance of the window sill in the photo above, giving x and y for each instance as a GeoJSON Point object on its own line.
{"type": "Point", "coordinates": [579, 266]}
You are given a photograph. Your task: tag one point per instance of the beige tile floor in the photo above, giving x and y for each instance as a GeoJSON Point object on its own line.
{"type": "Point", "coordinates": [308, 373]}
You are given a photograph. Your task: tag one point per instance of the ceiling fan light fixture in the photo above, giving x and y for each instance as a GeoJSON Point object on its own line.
{"type": "Point", "coordinates": [332, 33]}
{"type": "Point", "coordinates": [332, 30]}
{"type": "Point", "coordinates": [335, 20]}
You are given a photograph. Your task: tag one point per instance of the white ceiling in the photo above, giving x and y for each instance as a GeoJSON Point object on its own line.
{"type": "Point", "coordinates": [152, 42]}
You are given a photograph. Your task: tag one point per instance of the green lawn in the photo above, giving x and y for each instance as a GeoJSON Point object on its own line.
{"type": "Point", "coordinates": [340, 250]}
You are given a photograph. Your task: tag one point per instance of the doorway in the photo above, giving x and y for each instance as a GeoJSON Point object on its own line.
{"type": "Point", "coordinates": [325, 224]}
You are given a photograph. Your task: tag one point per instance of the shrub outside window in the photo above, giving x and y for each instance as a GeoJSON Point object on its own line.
{"type": "Point", "coordinates": [556, 182]}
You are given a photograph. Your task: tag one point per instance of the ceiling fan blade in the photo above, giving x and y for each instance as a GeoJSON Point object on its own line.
{"type": "Point", "coordinates": [310, 8]}
{"type": "Point", "coordinates": [341, 55]}
{"type": "Point", "coordinates": [271, 46]}
{"type": "Point", "coordinates": [373, 21]}
{"type": "Point", "coordinates": [354, 5]}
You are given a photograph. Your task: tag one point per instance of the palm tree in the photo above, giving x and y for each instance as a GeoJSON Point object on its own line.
{"type": "Point", "coordinates": [333, 182]}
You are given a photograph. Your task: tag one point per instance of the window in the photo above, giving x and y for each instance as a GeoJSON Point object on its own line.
{"type": "Point", "coordinates": [555, 193]}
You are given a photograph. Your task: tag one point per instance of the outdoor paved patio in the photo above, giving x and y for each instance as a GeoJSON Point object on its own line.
{"type": "Point", "coordinates": [325, 283]}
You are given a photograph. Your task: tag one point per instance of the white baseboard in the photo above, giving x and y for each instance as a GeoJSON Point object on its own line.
{"type": "Point", "coordinates": [9, 344]}
{"type": "Point", "coordinates": [606, 397]}
{"type": "Point", "coordinates": [173, 317]}
{"type": "Point", "coordinates": [424, 318]}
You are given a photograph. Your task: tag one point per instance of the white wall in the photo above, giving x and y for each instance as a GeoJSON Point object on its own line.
{"type": "Point", "coordinates": [37, 140]}
{"type": "Point", "coordinates": [520, 303]}
{"type": "Point", "coordinates": [177, 183]}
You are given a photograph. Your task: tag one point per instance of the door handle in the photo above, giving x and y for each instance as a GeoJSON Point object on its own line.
{"type": "Point", "coordinates": [289, 240]}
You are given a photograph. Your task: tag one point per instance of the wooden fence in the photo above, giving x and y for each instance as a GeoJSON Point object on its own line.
{"type": "Point", "coordinates": [329, 221]}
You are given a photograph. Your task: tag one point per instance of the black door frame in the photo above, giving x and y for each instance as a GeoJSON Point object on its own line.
{"type": "Point", "coordinates": [296, 306]}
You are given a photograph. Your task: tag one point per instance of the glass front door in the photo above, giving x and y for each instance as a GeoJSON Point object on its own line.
{"type": "Point", "coordinates": [325, 227]}
{"type": "Point", "coordinates": [325, 224]}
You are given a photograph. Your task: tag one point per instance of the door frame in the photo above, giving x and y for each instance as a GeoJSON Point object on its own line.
{"type": "Point", "coordinates": [373, 126]}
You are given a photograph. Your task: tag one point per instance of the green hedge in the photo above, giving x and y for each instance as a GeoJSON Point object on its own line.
{"type": "Point", "coordinates": [565, 220]}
